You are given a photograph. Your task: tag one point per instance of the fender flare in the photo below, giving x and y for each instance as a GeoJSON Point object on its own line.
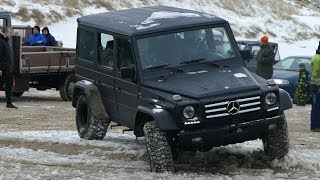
{"type": "Point", "coordinates": [93, 96]}
{"type": "Point", "coordinates": [163, 117]}
{"type": "Point", "coordinates": [285, 100]}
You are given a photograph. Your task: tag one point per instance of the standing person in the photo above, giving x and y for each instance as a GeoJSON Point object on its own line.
{"type": "Point", "coordinates": [315, 90]}
{"type": "Point", "coordinates": [36, 39]}
{"type": "Point", "coordinates": [5, 62]}
{"type": "Point", "coordinates": [51, 41]}
{"type": "Point", "coordinates": [265, 59]}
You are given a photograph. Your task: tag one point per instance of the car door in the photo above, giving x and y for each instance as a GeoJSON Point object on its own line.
{"type": "Point", "coordinates": [126, 89]}
{"type": "Point", "coordinates": [85, 67]}
{"type": "Point", "coordinates": [105, 74]}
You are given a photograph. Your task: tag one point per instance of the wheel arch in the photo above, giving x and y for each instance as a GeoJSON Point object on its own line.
{"type": "Point", "coordinates": [285, 100]}
{"type": "Point", "coordinates": [93, 95]}
{"type": "Point", "coordinates": [148, 113]}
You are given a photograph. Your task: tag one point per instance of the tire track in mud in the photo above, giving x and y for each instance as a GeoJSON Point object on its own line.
{"type": "Point", "coordinates": [116, 149]}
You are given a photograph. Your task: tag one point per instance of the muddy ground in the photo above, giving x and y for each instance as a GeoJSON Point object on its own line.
{"type": "Point", "coordinates": [39, 141]}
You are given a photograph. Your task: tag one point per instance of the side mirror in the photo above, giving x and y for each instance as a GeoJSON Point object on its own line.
{"type": "Point", "coordinates": [127, 72]}
{"type": "Point", "coordinates": [246, 54]}
{"type": "Point", "coordinates": [302, 66]}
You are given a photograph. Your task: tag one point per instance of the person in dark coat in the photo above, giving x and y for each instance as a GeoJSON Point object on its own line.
{"type": "Point", "coordinates": [36, 39]}
{"type": "Point", "coordinates": [265, 59]}
{"type": "Point", "coordinates": [51, 41]}
{"type": "Point", "coordinates": [5, 63]}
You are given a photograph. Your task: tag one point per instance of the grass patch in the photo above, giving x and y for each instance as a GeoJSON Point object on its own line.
{"type": "Point", "coordinates": [22, 14]}
{"type": "Point", "coordinates": [38, 16]}
{"type": "Point", "coordinates": [8, 2]}
{"type": "Point", "coordinates": [105, 4]}
{"type": "Point", "coordinates": [54, 16]}
{"type": "Point", "coordinates": [69, 12]}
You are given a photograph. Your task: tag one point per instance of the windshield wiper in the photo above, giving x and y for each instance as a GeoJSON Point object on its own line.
{"type": "Point", "coordinates": [193, 61]}
{"type": "Point", "coordinates": [212, 63]}
{"type": "Point", "coordinates": [157, 67]}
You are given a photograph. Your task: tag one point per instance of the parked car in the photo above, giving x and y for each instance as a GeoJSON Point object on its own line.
{"type": "Point", "coordinates": [146, 69]}
{"type": "Point", "coordinates": [286, 72]}
{"type": "Point", "coordinates": [254, 47]}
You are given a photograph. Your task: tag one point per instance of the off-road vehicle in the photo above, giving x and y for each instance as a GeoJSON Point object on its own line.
{"type": "Point", "coordinates": [161, 72]}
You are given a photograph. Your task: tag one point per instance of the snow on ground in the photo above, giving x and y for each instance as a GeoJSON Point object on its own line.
{"type": "Point", "coordinates": [122, 153]}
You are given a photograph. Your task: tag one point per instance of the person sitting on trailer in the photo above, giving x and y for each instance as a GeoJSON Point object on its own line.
{"type": "Point", "coordinates": [51, 41]}
{"type": "Point", "coordinates": [36, 39]}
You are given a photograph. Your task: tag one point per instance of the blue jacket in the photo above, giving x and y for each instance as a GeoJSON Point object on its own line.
{"type": "Point", "coordinates": [51, 41]}
{"type": "Point", "coordinates": [35, 38]}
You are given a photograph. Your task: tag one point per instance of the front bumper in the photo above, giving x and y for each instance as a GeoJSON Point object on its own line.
{"type": "Point", "coordinates": [229, 134]}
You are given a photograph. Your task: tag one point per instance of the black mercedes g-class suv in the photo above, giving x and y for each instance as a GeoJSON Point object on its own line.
{"type": "Point", "coordinates": [175, 77]}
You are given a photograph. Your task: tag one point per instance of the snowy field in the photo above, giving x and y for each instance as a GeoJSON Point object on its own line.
{"type": "Point", "coordinates": [40, 141]}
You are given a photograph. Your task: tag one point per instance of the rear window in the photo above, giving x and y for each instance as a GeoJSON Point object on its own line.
{"type": "Point", "coordinates": [87, 44]}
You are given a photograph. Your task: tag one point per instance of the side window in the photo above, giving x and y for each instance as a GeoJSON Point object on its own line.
{"type": "Point", "coordinates": [106, 50]}
{"type": "Point", "coordinates": [3, 22]}
{"type": "Point", "coordinates": [285, 64]}
{"type": "Point", "coordinates": [87, 45]}
{"type": "Point", "coordinates": [125, 54]}
{"type": "Point", "coordinates": [301, 61]}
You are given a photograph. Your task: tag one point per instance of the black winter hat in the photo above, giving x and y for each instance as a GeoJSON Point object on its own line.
{"type": "Point", "coordinates": [318, 50]}
{"type": "Point", "coordinates": [37, 27]}
{"type": "Point", "coordinates": [46, 28]}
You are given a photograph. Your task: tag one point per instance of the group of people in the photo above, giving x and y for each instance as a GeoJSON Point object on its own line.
{"type": "Point", "coordinates": [265, 59]}
{"type": "Point", "coordinates": [38, 39]}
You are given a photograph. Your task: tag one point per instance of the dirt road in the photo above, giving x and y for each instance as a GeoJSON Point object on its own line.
{"type": "Point", "coordinates": [39, 141]}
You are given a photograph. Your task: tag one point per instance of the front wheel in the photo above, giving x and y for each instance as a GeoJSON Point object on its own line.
{"type": "Point", "coordinates": [88, 126]}
{"type": "Point", "coordinates": [66, 89]}
{"type": "Point", "coordinates": [158, 146]}
{"type": "Point", "coordinates": [276, 142]}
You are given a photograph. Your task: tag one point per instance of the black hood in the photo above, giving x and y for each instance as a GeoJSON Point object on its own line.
{"type": "Point", "coordinates": [204, 83]}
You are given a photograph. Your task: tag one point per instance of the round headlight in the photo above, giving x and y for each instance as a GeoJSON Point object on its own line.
{"type": "Point", "coordinates": [188, 112]}
{"type": "Point", "coordinates": [271, 98]}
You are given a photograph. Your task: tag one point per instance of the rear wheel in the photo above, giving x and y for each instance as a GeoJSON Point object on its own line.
{"type": "Point", "coordinates": [158, 146]}
{"type": "Point", "coordinates": [66, 89]}
{"type": "Point", "coordinates": [276, 142]}
{"type": "Point", "coordinates": [88, 126]}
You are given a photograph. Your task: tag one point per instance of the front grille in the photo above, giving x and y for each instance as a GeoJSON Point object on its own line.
{"type": "Point", "coordinates": [220, 109]}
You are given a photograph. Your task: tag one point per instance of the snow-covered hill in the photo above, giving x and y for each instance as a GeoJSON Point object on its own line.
{"type": "Point", "coordinates": [295, 24]}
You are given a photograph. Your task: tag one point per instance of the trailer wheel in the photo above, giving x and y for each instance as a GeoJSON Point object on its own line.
{"type": "Point", "coordinates": [66, 89]}
{"type": "Point", "coordinates": [17, 94]}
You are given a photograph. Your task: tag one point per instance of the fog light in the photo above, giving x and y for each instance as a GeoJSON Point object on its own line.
{"type": "Point", "coordinates": [273, 109]}
{"type": "Point", "coordinates": [272, 126]}
{"type": "Point", "coordinates": [197, 139]}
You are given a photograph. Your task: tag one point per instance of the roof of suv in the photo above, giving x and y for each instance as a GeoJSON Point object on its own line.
{"type": "Point", "coordinates": [146, 20]}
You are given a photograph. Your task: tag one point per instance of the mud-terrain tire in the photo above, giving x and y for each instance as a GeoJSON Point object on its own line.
{"type": "Point", "coordinates": [159, 150]}
{"type": "Point", "coordinates": [276, 142]}
{"type": "Point", "coordinates": [66, 89]}
{"type": "Point", "coordinates": [88, 126]}
{"type": "Point", "coordinates": [17, 94]}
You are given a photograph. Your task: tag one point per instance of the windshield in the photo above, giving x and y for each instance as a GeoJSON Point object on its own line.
{"type": "Point", "coordinates": [174, 49]}
{"type": "Point", "coordinates": [292, 63]}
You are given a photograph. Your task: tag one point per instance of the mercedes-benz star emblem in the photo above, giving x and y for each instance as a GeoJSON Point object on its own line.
{"type": "Point", "coordinates": [233, 107]}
